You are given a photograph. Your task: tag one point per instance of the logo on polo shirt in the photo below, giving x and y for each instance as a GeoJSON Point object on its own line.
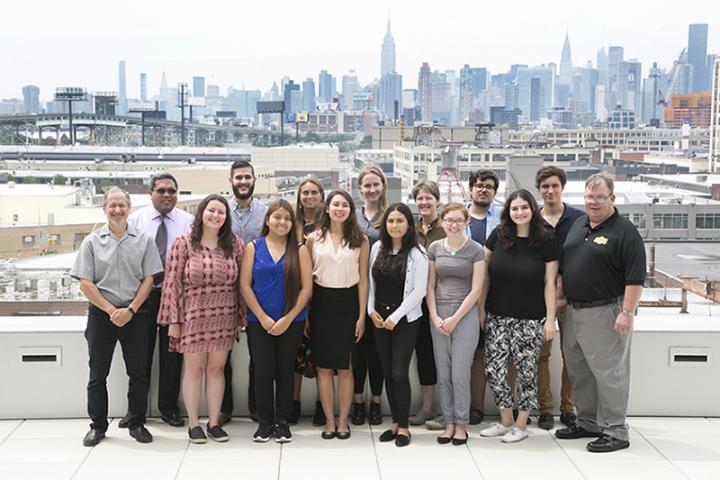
{"type": "Point", "coordinates": [601, 240]}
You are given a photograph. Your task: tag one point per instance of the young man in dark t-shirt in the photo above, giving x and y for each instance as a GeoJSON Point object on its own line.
{"type": "Point", "coordinates": [558, 217]}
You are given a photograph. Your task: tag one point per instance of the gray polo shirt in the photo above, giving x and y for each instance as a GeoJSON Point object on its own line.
{"type": "Point", "coordinates": [248, 222]}
{"type": "Point", "coordinates": [117, 267]}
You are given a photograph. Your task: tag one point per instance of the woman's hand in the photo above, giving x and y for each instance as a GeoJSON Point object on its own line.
{"type": "Point", "coordinates": [438, 323]}
{"type": "Point", "coordinates": [280, 326]}
{"type": "Point", "coordinates": [266, 322]}
{"type": "Point", "coordinates": [359, 329]}
{"type": "Point", "coordinates": [377, 320]}
{"type": "Point", "coordinates": [449, 325]}
{"type": "Point", "coordinates": [549, 330]}
{"type": "Point", "coordinates": [389, 325]}
{"type": "Point", "coordinates": [483, 317]}
{"type": "Point", "coordinates": [174, 330]}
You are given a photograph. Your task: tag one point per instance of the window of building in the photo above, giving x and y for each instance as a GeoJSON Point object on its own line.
{"type": "Point", "coordinates": [670, 220]}
{"type": "Point", "coordinates": [54, 239]}
{"type": "Point", "coordinates": [28, 240]}
{"type": "Point", "coordinates": [707, 220]}
{"type": "Point", "coordinates": [637, 219]}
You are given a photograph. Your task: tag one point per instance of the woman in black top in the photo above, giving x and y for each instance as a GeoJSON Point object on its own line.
{"type": "Point", "coordinates": [519, 293]}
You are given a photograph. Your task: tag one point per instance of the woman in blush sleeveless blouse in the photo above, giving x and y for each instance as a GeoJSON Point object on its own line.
{"type": "Point", "coordinates": [340, 260]}
{"type": "Point", "coordinates": [276, 282]}
{"type": "Point", "coordinates": [201, 303]}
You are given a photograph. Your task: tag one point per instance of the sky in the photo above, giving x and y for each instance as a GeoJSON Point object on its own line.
{"type": "Point", "coordinates": [251, 44]}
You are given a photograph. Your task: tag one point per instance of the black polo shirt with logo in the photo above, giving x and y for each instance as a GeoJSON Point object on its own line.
{"type": "Point", "coordinates": [597, 263]}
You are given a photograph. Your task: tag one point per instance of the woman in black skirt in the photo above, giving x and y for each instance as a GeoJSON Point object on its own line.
{"type": "Point", "coordinates": [340, 273]}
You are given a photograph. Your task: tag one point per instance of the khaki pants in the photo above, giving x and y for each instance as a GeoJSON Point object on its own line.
{"type": "Point", "coordinates": [545, 396]}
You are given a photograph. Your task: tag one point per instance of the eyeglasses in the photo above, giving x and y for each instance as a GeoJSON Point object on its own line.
{"type": "Point", "coordinates": [599, 200]}
{"type": "Point", "coordinates": [485, 186]}
{"type": "Point", "coordinates": [454, 223]}
{"type": "Point", "coordinates": [163, 191]}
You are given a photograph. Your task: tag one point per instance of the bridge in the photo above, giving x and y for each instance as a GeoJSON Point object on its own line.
{"type": "Point", "coordinates": [48, 128]}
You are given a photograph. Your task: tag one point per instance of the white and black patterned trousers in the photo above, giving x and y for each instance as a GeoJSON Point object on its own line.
{"type": "Point", "coordinates": [521, 339]}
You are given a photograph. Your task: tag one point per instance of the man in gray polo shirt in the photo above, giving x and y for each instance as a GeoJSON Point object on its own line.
{"type": "Point", "coordinates": [115, 266]}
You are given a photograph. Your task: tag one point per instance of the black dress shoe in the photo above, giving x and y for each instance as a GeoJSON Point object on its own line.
{"type": "Point", "coordinates": [444, 440]}
{"type": "Point", "coordinates": [343, 435]}
{"type": "Point", "coordinates": [459, 441]}
{"type": "Point", "coordinates": [141, 434]}
{"type": "Point", "coordinates": [388, 436]}
{"type": "Point", "coordinates": [123, 423]}
{"type": "Point", "coordinates": [402, 440]}
{"type": "Point", "coordinates": [375, 415]}
{"type": "Point", "coordinates": [476, 416]}
{"type": "Point", "coordinates": [328, 435]}
{"type": "Point", "coordinates": [224, 418]}
{"type": "Point", "coordinates": [573, 432]}
{"type": "Point", "coordinates": [295, 415]}
{"type": "Point", "coordinates": [357, 413]}
{"type": "Point", "coordinates": [605, 443]}
{"type": "Point", "coordinates": [319, 417]}
{"type": "Point", "coordinates": [174, 420]}
{"type": "Point", "coordinates": [546, 421]}
{"type": "Point", "coordinates": [568, 418]}
{"type": "Point", "coordinates": [93, 437]}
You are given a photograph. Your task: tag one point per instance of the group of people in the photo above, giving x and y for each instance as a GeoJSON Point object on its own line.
{"type": "Point", "coordinates": [334, 289]}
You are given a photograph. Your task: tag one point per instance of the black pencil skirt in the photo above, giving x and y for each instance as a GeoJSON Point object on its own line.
{"type": "Point", "coordinates": [333, 315]}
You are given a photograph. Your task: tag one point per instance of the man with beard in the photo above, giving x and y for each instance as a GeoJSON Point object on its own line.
{"type": "Point", "coordinates": [484, 217]}
{"type": "Point", "coordinates": [248, 216]}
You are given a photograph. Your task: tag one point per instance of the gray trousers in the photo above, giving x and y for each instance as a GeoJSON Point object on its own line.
{"type": "Point", "coordinates": [453, 358]}
{"type": "Point", "coordinates": [598, 361]}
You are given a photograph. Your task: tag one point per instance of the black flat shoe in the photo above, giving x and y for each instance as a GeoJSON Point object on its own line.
{"type": "Point", "coordinates": [357, 413]}
{"type": "Point", "coordinates": [444, 440]}
{"type": "Point", "coordinates": [328, 435]}
{"type": "Point", "coordinates": [605, 443]}
{"type": "Point", "coordinates": [388, 436]}
{"type": "Point", "coordinates": [123, 423]}
{"type": "Point", "coordinates": [343, 435]}
{"type": "Point", "coordinates": [174, 420]}
{"type": "Point", "coordinates": [574, 432]}
{"type": "Point", "coordinates": [141, 434]}
{"type": "Point", "coordinates": [93, 437]}
{"type": "Point", "coordinates": [568, 418]}
{"type": "Point", "coordinates": [459, 441]}
{"type": "Point", "coordinates": [375, 415]}
{"type": "Point", "coordinates": [402, 440]}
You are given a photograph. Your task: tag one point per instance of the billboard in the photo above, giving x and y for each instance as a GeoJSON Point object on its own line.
{"type": "Point", "coordinates": [271, 107]}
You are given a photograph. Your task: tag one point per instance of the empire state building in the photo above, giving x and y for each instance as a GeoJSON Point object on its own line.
{"type": "Point", "coordinates": [387, 57]}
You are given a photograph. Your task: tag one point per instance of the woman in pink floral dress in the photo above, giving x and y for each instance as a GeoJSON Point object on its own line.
{"type": "Point", "coordinates": [201, 304]}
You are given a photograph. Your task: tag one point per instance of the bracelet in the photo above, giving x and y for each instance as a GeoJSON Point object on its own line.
{"type": "Point", "coordinates": [132, 310]}
{"type": "Point", "coordinates": [628, 314]}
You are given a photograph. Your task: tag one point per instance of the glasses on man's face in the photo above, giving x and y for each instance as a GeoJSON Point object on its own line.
{"type": "Point", "coordinates": [485, 186]}
{"type": "Point", "coordinates": [166, 191]}
{"type": "Point", "coordinates": [453, 223]}
{"type": "Point", "coordinates": [599, 199]}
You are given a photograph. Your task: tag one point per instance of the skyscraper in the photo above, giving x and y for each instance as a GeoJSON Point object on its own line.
{"type": "Point", "coordinates": [122, 107]}
{"type": "Point", "coordinates": [615, 56]}
{"type": "Point", "coordinates": [467, 81]}
{"type": "Point", "coordinates": [425, 92]}
{"type": "Point", "coordinates": [391, 92]}
{"type": "Point", "coordinates": [290, 87]}
{"type": "Point", "coordinates": [31, 99]}
{"type": "Point", "coordinates": [350, 85]}
{"type": "Point", "coordinates": [535, 90]}
{"type": "Point", "coordinates": [143, 87]}
{"type": "Point", "coordinates": [308, 92]}
{"type": "Point", "coordinates": [566, 72]}
{"type": "Point", "coordinates": [326, 86]}
{"type": "Point", "coordinates": [697, 55]}
{"type": "Point", "coordinates": [198, 86]}
{"type": "Point", "coordinates": [387, 56]}
{"type": "Point", "coordinates": [629, 82]}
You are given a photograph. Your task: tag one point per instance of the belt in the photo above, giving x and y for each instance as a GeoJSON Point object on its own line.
{"type": "Point", "coordinates": [593, 303]}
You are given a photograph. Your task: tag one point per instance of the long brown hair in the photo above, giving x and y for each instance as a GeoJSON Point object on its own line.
{"type": "Point", "coordinates": [507, 231]}
{"type": "Point", "coordinates": [300, 209]}
{"type": "Point", "coordinates": [352, 234]}
{"type": "Point", "coordinates": [293, 282]}
{"type": "Point", "coordinates": [225, 235]}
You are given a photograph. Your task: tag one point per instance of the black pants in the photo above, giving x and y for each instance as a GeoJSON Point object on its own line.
{"type": "Point", "coordinates": [228, 403]}
{"type": "Point", "coordinates": [274, 360]}
{"type": "Point", "coordinates": [102, 335]}
{"type": "Point", "coordinates": [424, 350]}
{"type": "Point", "coordinates": [367, 362]}
{"type": "Point", "coordinates": [395, 349]}
{"type": "Point", "coordinates": [170, 363]}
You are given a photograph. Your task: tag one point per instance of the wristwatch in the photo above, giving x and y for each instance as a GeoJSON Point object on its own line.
{"type": "Point", "coordinates": [628, 314]}
{"type": "Point", "coordinates": [132, 311]}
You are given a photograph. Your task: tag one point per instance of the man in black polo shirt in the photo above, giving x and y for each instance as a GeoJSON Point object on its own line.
{"type": "Point", "coordinates": [603, 274]}
{"type": "Point", "coordinates": [558, 217]}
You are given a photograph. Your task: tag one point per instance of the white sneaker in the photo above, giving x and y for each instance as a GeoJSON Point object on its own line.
{"type": "Point", "coordinates": [515, 435]}
{"type": "Point", "coordinates": [497, 429]}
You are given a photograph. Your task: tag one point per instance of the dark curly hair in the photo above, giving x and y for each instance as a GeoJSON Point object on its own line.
{"type": "Point", "coordinates": [385, 259]}
{"type": "Point", "coordinates": [352, 234]}
{"type": "Point", "coordinates": [507, 230]}
{"type": "Point", "coordinates": [225, 235]}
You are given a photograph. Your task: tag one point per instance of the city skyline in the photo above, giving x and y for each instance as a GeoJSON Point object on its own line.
{"type": "Point", "coordinates": [226, 47]}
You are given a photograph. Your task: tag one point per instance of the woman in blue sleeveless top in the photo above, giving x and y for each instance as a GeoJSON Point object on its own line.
{"type": "Point", "coordinates": [276, 283]}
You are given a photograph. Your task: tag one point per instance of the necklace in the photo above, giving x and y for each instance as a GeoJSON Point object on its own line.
{"type": "Point", "coordinates": [451, 250]}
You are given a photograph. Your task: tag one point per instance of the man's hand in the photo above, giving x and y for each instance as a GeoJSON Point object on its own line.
{"type": "Point", "coordinates": [121, 317]}
{"type": "Point", "coordinates": [623, 323]}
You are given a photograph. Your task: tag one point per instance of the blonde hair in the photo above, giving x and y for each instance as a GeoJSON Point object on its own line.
{"type": "Point", "coordinates": [382, 201]}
